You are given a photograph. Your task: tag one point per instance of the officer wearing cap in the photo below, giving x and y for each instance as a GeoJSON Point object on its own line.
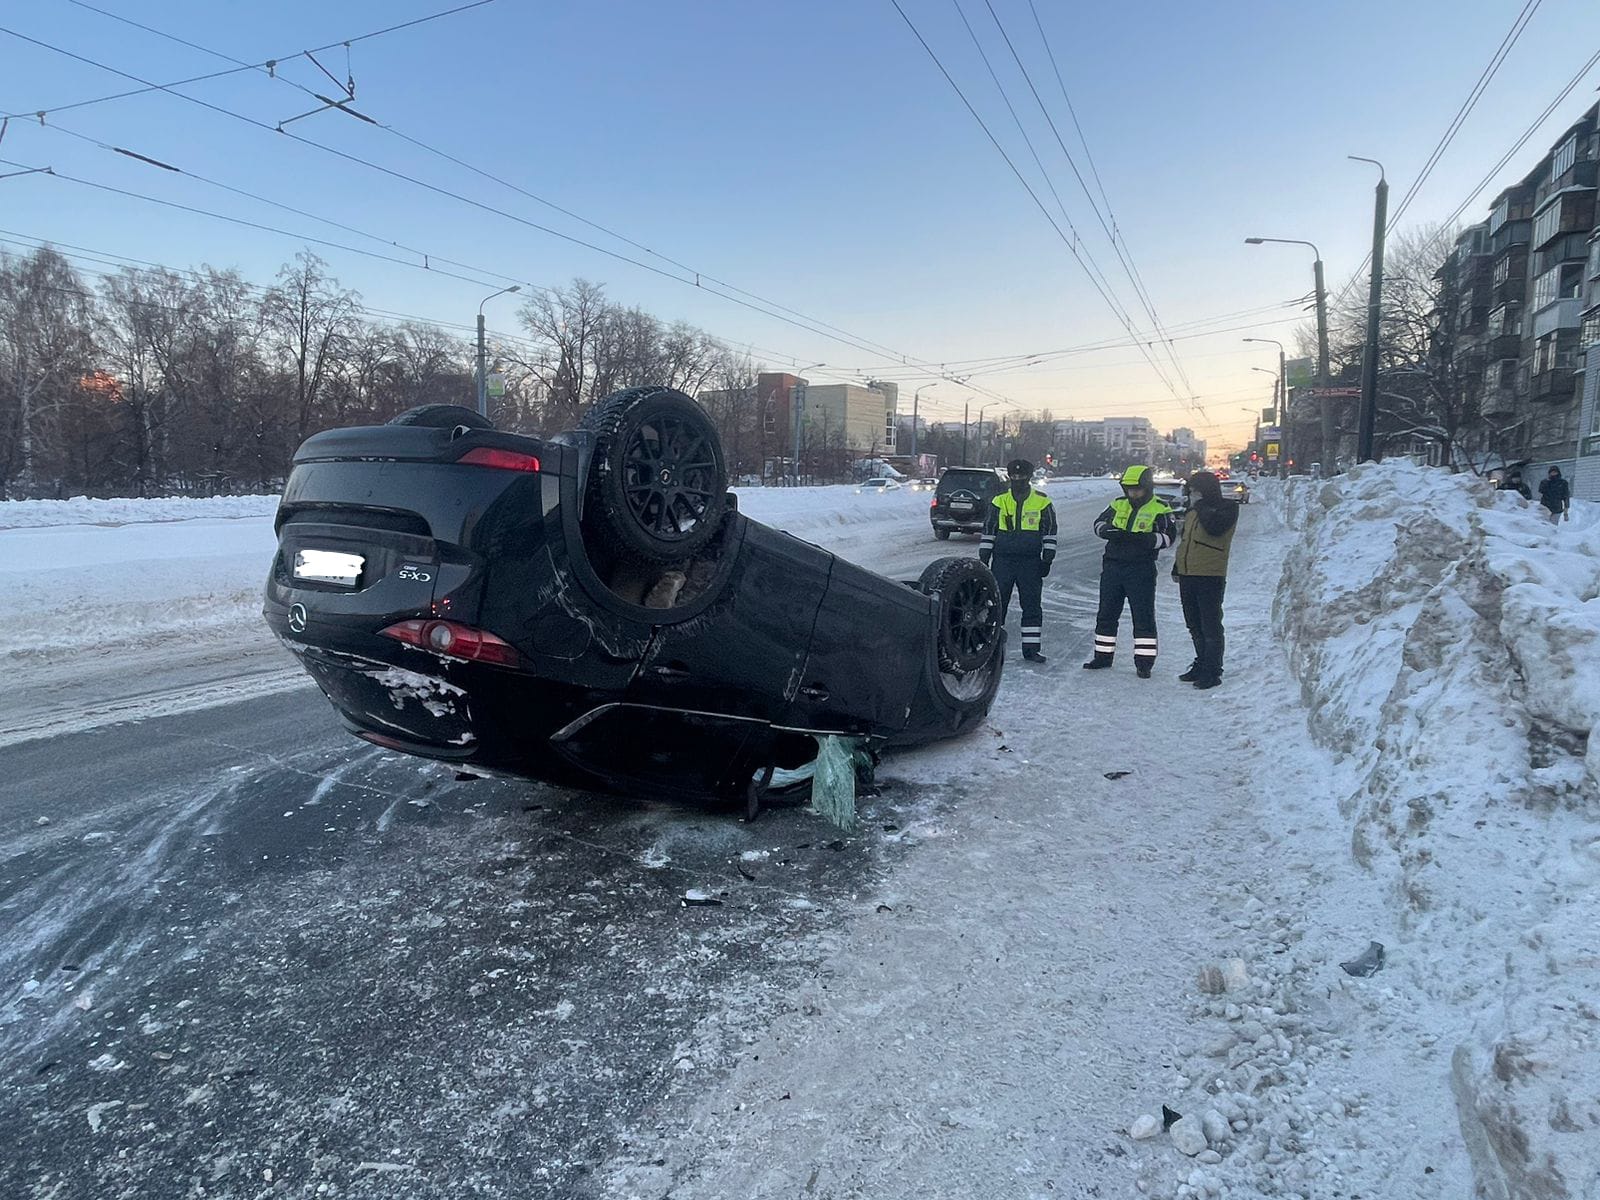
{"type": "Point", "coordinates": [1136, 528]}
{"type": "Point", "coordinates": [1019, 544]}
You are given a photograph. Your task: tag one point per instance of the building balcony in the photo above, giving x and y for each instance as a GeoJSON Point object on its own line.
{"type": "Point", "coordinates": [1563, 313]}
{"type": "Point", "coordinates": [1505, 345]}
{"type": "Point", "coordinates": [1579, 175]}
{"type": "Point", "coordinates": [1555, 386]}
{"type": "Point", "coordinates": [1513, 289]}
{"type": "Point", "coordinates": [1511, 235]}
{"type": "Point", "coordinates": [1499, 403]}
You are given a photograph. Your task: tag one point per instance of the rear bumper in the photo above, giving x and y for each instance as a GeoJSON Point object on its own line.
{"type": "Point", "coordinates": [958, 524]}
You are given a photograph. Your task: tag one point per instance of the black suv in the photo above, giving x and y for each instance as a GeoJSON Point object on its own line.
{"type": "Point", "coordinates": [592, 608]}
{"type": "Point", "coordinates": [961, 501]}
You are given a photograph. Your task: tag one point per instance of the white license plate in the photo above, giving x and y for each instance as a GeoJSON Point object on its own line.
{"type": "Point", "coordinates": [960, 506]}
{"type": "Point", "coordinates": [328, 566]}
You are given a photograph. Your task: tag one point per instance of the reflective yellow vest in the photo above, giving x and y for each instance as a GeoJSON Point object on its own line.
{"type": "Point", "coordinates": [1032, 507]}
{"type": "Point", "coordinates": [1124, 517]}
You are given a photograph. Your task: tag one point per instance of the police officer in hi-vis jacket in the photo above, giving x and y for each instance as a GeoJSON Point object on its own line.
{"type": "Point", "coordinates": [1019, 544]}
{"type": "Point", "coordinates": [1136, 528]}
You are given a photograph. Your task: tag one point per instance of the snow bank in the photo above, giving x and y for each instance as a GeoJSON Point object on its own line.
{"type": "Point", "coordinates": [81, 510]}
{"type": "Point", "coordinates": [1447, 638]}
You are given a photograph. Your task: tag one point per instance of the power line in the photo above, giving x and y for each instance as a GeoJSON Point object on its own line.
{"type": "Point", "coordinates": [1467, 105]}
{"type": "Point", "coordinates": [1034, 196]}
{"type": "Point", "coordinates": [1117, 247]}
{"type": "Point", "coordinates": [1527, 134]}
{"type": "Point", "coordinates": [699, 280]}
{"type": "Point", "coordinates": [266, 65]}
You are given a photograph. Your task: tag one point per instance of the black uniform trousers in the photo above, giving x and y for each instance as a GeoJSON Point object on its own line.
{"type": "Point", "coordinates": [1135, 584]}
{"type": "Point", "coordinates": [1202, 613]}
{"type": "Point", "coordinates": [1025, 575]}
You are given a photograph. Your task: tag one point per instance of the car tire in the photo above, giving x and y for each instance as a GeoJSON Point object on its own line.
{"type": "Point", "coordinates": [442, 416]}
{"type": "Point", "coordinates": [942, 534]}
{"type": "Point", "coordinates": [969, 612]}
{"type": "Point", "coordinates": [650, 503]}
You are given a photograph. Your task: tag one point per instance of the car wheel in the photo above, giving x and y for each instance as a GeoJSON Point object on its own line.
{"type": "Point", "coordinates": [659, 484]}
{"type": "Point", "coordinates": [442, 416]}
{"type": "Point", "coordinates": [969, 611]}
{"type": "Point", "coordinates": [942, 534]}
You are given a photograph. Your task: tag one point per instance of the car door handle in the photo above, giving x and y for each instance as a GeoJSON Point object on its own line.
{"type": "Point", "coordinates": [670, 674]}
{"type": "Point", "coordinates": [814, 691]}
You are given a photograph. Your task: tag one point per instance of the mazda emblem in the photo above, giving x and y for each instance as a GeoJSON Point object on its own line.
{"type": "Point", "coordinates": [297, 618]}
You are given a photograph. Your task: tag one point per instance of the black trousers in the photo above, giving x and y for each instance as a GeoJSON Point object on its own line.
{"type": "Point", "coordinates": [1135, 584]}
{"type": "Point", "coordinates": [1202, 613]}
{"type": "Point", "coordinates": [1023, 574]}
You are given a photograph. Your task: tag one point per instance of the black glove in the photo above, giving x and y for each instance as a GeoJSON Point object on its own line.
{"type": "Point", "coordinates": [1044, 566]}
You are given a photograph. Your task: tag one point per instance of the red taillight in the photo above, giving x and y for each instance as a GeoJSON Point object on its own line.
{"type": "Point", "coordinates": [454, 640]}
{"type": "Point", "coordinates": [934, 503]}
{"type": "Point", "coordinates": [501, 460]}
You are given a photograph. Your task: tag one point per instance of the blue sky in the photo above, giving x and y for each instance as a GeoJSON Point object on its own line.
{"type": "Point", "coordinates": [807, 152]}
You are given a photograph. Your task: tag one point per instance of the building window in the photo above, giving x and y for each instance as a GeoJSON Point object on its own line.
{"type": "Point", "coordinates": [1502, 270]}
{"type": "Point", "coordinates": [888, 430]}
{"type": "Point", "coordinates": [1590, 333]}
{"type": "Point", "coordinates": [1561, 161]}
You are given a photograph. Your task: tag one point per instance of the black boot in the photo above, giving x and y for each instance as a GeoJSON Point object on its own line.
{"type": "Point", "coordinates": [1032, 656]}
{"type": "Point", "coordinates": [1144, 671]}
{"type": "Point", "coordinates": [1207, 682]}
{"type": "Point", "coordinates": [1191, 674]}
{"type": "Point", "coordinates": [1098, 663]}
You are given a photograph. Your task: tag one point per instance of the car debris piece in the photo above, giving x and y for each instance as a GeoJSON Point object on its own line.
{"type": "Point", "coordinates": [1118, 774]}
{"type": "Point", "coordinates": [1367, 964]}
{"type": "Point", "coordinates": [1169, 1118]}
{"type": "Point", "coordinates": [695, 898]}
{"type": "Point", "coordinates": [592, 610]}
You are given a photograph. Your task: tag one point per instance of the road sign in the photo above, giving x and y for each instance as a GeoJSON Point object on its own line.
{"type": "Point", "coordinates": [1337, 392]}
{"type": "Point", "coordinates": [1270, 433]}
{"type": "Point", "coordinates": [1272, 451]}
{"type": "Point", "coordinates": [495, 385]}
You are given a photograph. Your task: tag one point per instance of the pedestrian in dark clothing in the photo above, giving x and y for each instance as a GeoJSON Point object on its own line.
{"type": "Point", "coordinates": [1201, 569]}
{"type": "Point", "coordinates": [1019, 545]}
{"type": "Point", "coordinates": [1514, 482]}
{"type": "Point", "coordinates": [1136, 528]}
{"type": "Point", "coordinates": [1555, 493]}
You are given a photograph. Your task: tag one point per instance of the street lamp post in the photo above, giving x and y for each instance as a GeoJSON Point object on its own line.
{"type": "Point", "coordinates": [483, 388]}
{"type": "Point", "coordinates": [982, 408]}
{"type": "Point", "coordinates": [916, 396]}
{"type": "Point", "coordinates": [1329, 450]}
{"type": "Point", "coordinates": [1369, 357]}
{"type": "Point", "coordinates": [1283, 405]}
{"type": "Point", "coordinates": [797, 402]}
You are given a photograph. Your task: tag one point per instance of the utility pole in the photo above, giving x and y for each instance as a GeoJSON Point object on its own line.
{"type": "Point", "coordinates": [915, 397]}
{"type": "Point", "coordinates": [1329, 435]}
{"type": "Point", "coordinates": [797, 403]}
{"type": "Point", "coordinates": [1367, 429]}
{"type": "Point", "coordinates": [483, 383]}
{"type": "Point", "coordinates": [966, 414]}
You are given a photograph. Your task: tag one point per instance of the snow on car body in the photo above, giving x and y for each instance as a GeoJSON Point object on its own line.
{"type": "Point", "coordinates": [561, 609]}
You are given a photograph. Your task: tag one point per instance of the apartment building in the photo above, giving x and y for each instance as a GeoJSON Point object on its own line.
{"type": "Point", "coordinates": [1521, 293]}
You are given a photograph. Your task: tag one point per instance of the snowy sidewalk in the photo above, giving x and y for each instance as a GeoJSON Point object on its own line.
{"type": "Point", "coordinates": [993, 1024]}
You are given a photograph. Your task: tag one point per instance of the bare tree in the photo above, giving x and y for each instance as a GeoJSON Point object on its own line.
{"type": "Point", "coordinates": [308, 316]}
{"type": "Point", "coordinates": [44, 349]}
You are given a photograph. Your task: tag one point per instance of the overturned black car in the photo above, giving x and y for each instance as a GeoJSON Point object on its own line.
{"type": "Point", "coordinates": [593, 610]}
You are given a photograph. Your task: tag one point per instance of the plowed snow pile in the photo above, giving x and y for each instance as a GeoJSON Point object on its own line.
{"type": "Point", "coordinates": [1447, 639]}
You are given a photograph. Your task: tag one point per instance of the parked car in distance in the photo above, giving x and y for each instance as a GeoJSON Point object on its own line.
{"type": "Point", "coordinates": [1171, 489]}
{"type": "Point", "coordinates": [1235, 489]}
{"type": "Point", "coordinates": [878, 486]}
{"type": "Point", "coordinates": [926, 483]}
{"type": "Point", "coordinates": [961, 501]}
